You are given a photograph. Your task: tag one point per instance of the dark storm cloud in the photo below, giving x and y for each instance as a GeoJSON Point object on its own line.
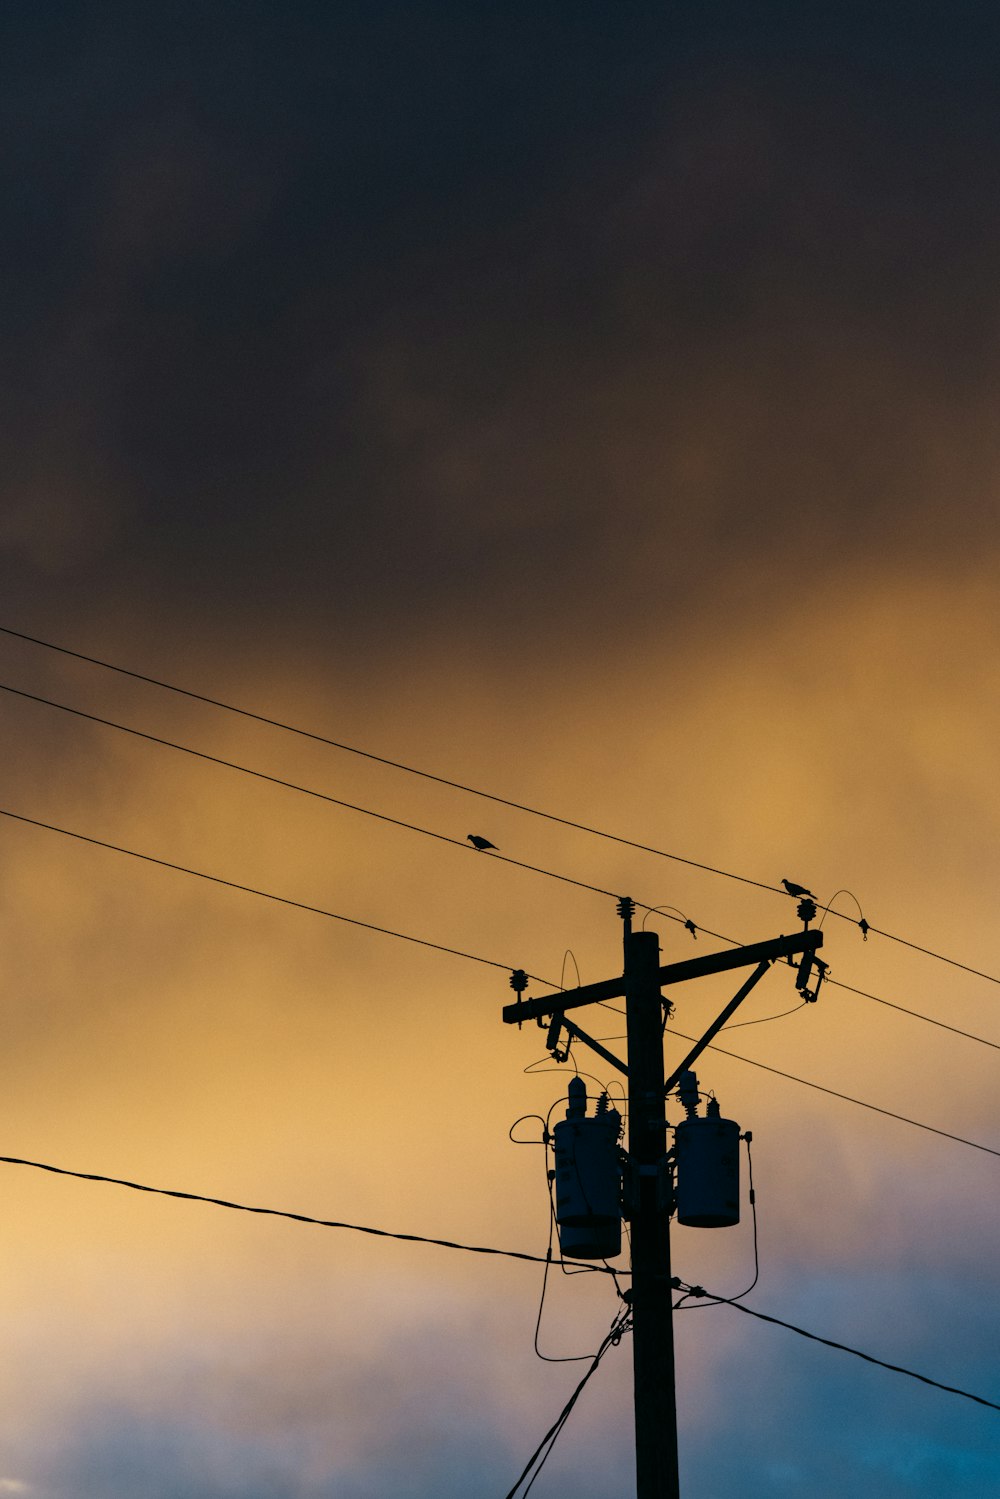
{"type": "Point", "coordinates": [386, 314]}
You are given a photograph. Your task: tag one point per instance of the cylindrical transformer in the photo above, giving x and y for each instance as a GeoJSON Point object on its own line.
{"type": "Point", "coordinates": [707, 1158]}
{"type": "Point", "coordinates": [588, 1180]}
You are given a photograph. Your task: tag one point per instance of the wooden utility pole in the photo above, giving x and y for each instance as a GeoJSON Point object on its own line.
{"type": "Point", "coordinates": [649, 1178]}
{"type": "Point", "coordinates": [652, 1298]}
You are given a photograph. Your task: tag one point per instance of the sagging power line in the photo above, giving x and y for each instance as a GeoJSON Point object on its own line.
{"type": "Point", "coordinates": [478, 843]}
{"type": "Point", "coordinates": [490, 796]}
{"type": "Point", "coordinates": [478, 1249]}
{"type": "Point", "coordinates": [285, 900]}
{"type": "Point", "coordinates": [243, 1207]}
{"type": "Point", "coordinates": [323, 796]}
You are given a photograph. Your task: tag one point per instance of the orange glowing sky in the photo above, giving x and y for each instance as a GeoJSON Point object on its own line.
{"type": "Point", "coordinates": [596, 410]}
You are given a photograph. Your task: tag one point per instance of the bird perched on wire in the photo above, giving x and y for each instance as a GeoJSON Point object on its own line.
{"type": "Point", "coordinates": [480, 843]}
{"type": "Point", "coordinates": [794, 889]}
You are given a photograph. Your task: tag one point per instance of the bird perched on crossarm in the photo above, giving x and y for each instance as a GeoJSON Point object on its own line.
{"type": "Point", "coordinates": [794, 889]}
{"type": "Point", "coordinates": [480, 843]}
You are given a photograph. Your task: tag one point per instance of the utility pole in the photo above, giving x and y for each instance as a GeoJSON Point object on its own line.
{"type": "Point", "coordinates": [652, 1298]}
{"type": "Point", "coordinates": [648, 1185]}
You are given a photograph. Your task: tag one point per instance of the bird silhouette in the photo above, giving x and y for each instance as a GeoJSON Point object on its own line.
{"type": "Point", "coordinates": [794, 889]}
{"type": "Point", "coordinates": [480, 843]}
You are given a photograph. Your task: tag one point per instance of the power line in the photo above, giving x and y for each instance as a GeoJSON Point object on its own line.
{"type": "Point", "coordinates": [351, 749]}
{"type": "Point", "coordinates": [619, 1327]}
{"type": "Point", "coordinates": [440, 837]}
{"type": "Point", "coordinates": [838, 984]}
{"type": "Point", "coordinates": [455, 952]}
{"type": "Point", "coordinates": [845, 1097]}
{"type": "Point", "coordinates": [820, 1088]}
{"type": "Point", "coordinates": [283, 900]}
{"type": "Point", "coordinates": [242, 1207]}
{"type": "Point", "coordinates": [261, 775]}
{"type": "Point", "coordinates": [503, 801]}
{"type": "Point", "coordinates": [929, 953]}
{"type": "Point", "coordinates": [841, 1347]}
{"type": "Point", "coordinates": [915, 1014]}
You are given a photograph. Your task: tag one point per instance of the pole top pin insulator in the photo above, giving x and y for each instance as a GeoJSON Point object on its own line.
{"type": "Point", "coordinates": [518, 982]}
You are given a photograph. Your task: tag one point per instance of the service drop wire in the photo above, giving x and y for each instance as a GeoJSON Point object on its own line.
{"type": "Point", "coordinates": [243, 1207]}
{"type": "Point", "coordinates": [619, 1327]}
{"type": "Point", "coordinates": [813, 1337]}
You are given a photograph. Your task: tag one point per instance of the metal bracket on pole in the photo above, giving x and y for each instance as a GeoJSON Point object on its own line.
{"type": "Point", "coordinates": [716, 1026]}
{"type": "Point", "coordinates": [810, 964]}
{"type": "Point", "coordinates": [670, 973]}
{"type": "Point", "coordinates": [560, 1023]}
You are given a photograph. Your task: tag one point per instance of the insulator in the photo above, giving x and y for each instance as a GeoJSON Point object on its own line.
{"type": "Point", "coordinates": [588, 1178]}
{"type": "Point", "coordinates": [707, 1156]}
{"type": "Point", "coordinates": [576, 1095]}
{"type": "Point", "coordinates": [687, 1092]}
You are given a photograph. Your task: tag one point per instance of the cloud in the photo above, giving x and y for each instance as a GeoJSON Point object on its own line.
{"type": "Point", "coordinates": [616, 436]}
{"type": "Point", "coordinates": [695, 368]}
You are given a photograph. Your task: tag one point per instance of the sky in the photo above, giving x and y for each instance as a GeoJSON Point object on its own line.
{"type": "Point", "coordinates": [594, 406]}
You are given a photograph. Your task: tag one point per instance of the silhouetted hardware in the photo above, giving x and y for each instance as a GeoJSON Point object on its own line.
{"type": "Point", "coordinates": [598, 1184]}
{"type": "Point", "coordinates": [707, 1167]}
{"type": "Point", "coordinates": [588, 1177]}
{"type": "Point", "coordinates": [574, 1032]}
{"type": "Point", "coordinates": [810, 966]}
{"type": "Point", "coordinates": [669, 973]}
{"type": "Point", "coordinates": [480, 843]}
